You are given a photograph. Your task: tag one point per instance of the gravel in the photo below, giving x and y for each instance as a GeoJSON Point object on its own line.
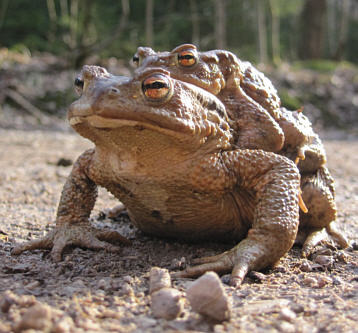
{"type": "Point", "coordinates": [106, 292]}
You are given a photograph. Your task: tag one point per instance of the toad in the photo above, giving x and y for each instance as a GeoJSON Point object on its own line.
{"type": "Point", "coordinates": [238, 85]}
{"type": "Point", "coordinates": [165, 149]}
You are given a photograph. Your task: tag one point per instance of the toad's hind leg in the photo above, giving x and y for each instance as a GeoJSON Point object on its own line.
{"type": "Point", "coordinates": [318, 224]}
{"type": "Point", "coordinates": [273, 181]}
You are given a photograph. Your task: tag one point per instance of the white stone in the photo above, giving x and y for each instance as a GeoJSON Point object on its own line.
{"type": "Point", "coordinates": [207, 296]}
{"type": "Point", "coordinates": [159, 278]}
{"type": "Point", "coordinates": [167, 303]}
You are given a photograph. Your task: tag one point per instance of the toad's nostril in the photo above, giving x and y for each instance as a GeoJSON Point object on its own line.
{"type": "Point", "coordinates": [79, 82]}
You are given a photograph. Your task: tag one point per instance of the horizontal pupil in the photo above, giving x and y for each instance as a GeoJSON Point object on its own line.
{"type": "Point", "coordinates": [155, 85]}
{"type": "Point", "coordinates": [186, 57]}
{"type": "Point", "coordinates": [135, 59]}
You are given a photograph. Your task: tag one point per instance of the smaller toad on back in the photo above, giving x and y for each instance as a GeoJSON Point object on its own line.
{"type": "Point", "coordinates": [164, 148]}
{"type": "Point", "coordinates": [221, 73]}
{"type": "Point", "coordinates": [258, 121]}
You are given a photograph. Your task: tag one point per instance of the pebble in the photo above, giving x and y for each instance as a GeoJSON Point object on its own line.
{"type": "Point", "coordinates": [64, 325]}
{"type": "Point", "coordinates": [37, 317]}
{"type": "Point", "coordinates": [306, 266]}
{"type": "Point", "coordinates": [33, 285]}
{"type": "Point", "coordinates": [287, 315]}
{"type": "Point", "coordinates": [310, 281]}
{"type": "Point", "coordinates": [207, 296]}
{"type": "Point", "coordinates": [167, 303]}
{"type": "Point", "coordinates": [126, 290]}
{"type": "Point", "coordinates": [342, 257]}
{"type": "Point", "coordinates": [323, 281]}
{"type": "Point", "coordinates": [178, 264]}
{"type": "Point", "coordinates": [159, 278]}
{"type": "Point", "coordinates": [9, 298]}
{"type": "Point", "coordinates": [325, 261]}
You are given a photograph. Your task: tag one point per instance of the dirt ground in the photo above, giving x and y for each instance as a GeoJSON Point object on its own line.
{"type": "Point", "coordinates": [101, 292]}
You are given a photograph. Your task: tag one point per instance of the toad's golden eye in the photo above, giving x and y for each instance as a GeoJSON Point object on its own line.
{"type": "Point", "coordinates": [186, 58]}
{"type": "Point", "coordinates": [156, 87]}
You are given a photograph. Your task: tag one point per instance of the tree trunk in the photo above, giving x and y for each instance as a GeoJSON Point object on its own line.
{"type": "Point", "coordinates": [343, 29]}
{"type": "Point", "coordinates": [81, 53]}
{"type": "Point", "coordinates": [275, 31]}
{"type": "Point", "coordinates": [313, 29]}
{"type": "Point", "coordinates": [261, 31]}
{"type": "Point", "coordinates": [3, 10]}
{"type": "Point", "coordinates": [195, 23]}
{"type": "Point", "coordinates": [220, 24]}
{"type": "Point", "coordinates": [149, 23]}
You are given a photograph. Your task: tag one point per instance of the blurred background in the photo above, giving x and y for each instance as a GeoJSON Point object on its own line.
{"type": "Point", "coordinates": [308, 48]}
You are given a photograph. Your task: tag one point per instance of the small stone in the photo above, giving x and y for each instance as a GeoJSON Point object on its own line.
{"type": "Point", "coordinates": [306, 266]}
{"type": "Point", "coordinates": [178, 263]}
{"type": "Point", "coordinates": [126, 290]}
{"type": "Point", "coordinates": [337, 281]}
{"type": "Point", "coordinates": [78, 284]}
{"type": "Point", "coordinates": [33, 285]}
{"type": "Point", "coordinates": [64, 325]}
{"type": "Point", "coordinates": [6, 300]}
{"type": "Point", "coordinates": [342, 257]}
{"type": "Point", "coordinates": [323, 281]}
{"type": "Point", "coordinates": [104, 284]}
{"type": "Point", "coordinates": [325, 261]}
{"type": "Point", "coordinates": [286, 327]}
{"type": "Point", "coordinates": [226, 279]}
{"type": "Point", "coordinates": [167, 303]}
{"type": "Point", "coordinates": [9, 298]}
{"type": "Point", "coordinates": [128, 279]}
{"type": "Point", "coordinates": [37, 317]}
{"type": "Point", "coordinates": [159, 278]}
{"type": "Point", "coordinates": [287, 315]}
{"type": "Point", "coordinates": [281, 269]}
{"type": "Point", "coordinates": [355, 246]}
{"type": "Point", "coordinates": [146, 322]}
{"type": "Point", "coordinates": [207, 296]}
{"type": "Point", "coordinates": [310, 281]}
{"type": "Point", "coordinates": [297, 308]}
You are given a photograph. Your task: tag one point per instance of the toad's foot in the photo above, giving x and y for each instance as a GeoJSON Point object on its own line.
{"type": "Point", "coordinates": [221, 263]}
{"type": "Point", "coordinates": [236, 261]}
{"type": "Point", "coordinates": [74, 235]}
{"type": "Point", "coordinates": [312, 237]}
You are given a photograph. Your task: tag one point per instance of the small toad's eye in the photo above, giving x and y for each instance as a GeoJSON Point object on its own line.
{"type": "Point", "coordinates": [135, 60]}
{"type": "Point", "coordinates": [156, 87]}
{"type": "Point", "coordinates": [79, 82]}
{"type": "Point", "coordinates": [187, 58]}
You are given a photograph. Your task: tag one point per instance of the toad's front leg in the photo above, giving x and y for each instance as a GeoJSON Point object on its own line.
{"type": "Point", "coordinates": [72, 226]}
{"type": "Point", "coordinates": [275, 182]}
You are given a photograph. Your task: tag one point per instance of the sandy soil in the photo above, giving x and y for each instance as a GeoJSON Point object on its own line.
{"type": "Point", "coordinates": [101, 292]}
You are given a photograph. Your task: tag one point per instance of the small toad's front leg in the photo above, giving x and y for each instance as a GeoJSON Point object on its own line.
{"type": "Point", "coordinates": [275, 181]}
{"type": "Point", "coordinates": [72, 226]}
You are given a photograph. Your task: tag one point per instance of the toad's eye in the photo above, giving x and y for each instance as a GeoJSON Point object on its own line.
{"type": "Point", "coordinates": [79, 82]}
{"type": "Point", "coordinates": [156, 87]}
{"type": "Point", "coordinates": [135, 60]}
{"type": "Point", "coordinates": [187, 58]}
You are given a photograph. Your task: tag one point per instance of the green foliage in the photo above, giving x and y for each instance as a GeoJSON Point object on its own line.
{"type": "Point", "coordinates": [288, 100]}
{"type": "Point", "coordinates": [319, 65]}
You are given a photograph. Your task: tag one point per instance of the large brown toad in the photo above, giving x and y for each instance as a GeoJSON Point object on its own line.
{"type": "Point", "coordinates": [238, 84]}
{"type": "Point", "coordinates": [164, 148]}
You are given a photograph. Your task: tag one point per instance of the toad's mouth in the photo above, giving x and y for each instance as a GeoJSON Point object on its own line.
{"type": "Point", "coordinates": [178, 129]}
